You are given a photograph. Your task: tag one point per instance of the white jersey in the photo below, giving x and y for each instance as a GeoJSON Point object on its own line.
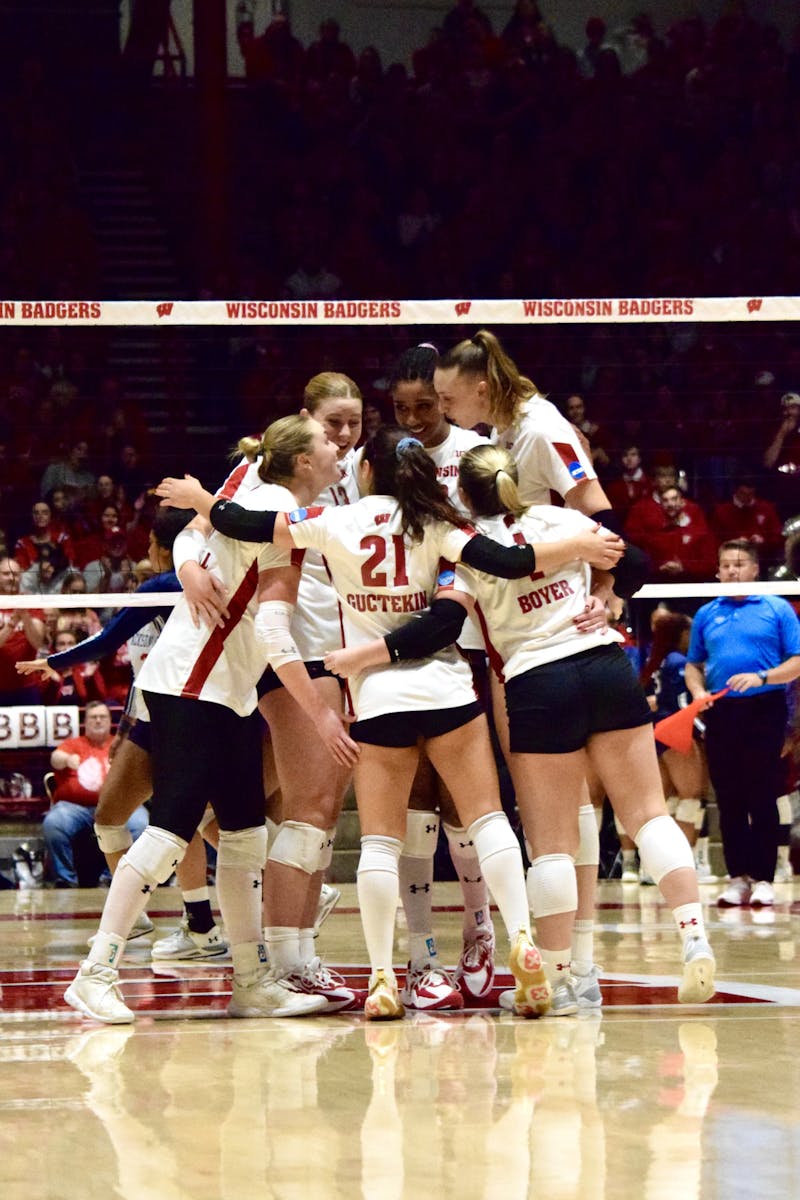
{"type": "Point", "coordinates": [316, 628]}
{"type": "Point", "coordinates": [222, 665]}
{"type": "Point", "coordinates": [547, 452]}
{"type": "Point", "coordinates": [381, 579]}
{"type": "Point", "coordinates": [529, 621]}
{"type": "Point", "coordinates": [447, 456]}
{"type": "Point", "coordinates": [140, 646]}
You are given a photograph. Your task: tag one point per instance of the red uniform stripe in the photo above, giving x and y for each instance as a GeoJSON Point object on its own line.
{"type": "Point", "coordinates": [231, 484]}
{"type": "Point", "coordinates": [216, 643]}
{"type": "Point", "coordinates": [495, 661]}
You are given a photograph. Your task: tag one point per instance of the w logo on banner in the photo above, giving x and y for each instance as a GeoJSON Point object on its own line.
{"type": "Point", "coordinates": [165, 309]}
{"type": "Point", "coordinates": [754, 305]}
{"type": "Point", "coordinates": [463, 307]}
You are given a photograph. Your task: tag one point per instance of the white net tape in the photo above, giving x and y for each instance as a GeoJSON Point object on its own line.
{"type": "Point", "coordinates": [541, 311]}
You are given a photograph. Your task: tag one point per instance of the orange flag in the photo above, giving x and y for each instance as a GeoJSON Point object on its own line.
{"type": "Point", "coordinates": [675, 731]}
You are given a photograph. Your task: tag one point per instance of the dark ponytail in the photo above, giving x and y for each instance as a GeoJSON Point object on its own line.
{"type": "Point", "coordinates": [401, 467]}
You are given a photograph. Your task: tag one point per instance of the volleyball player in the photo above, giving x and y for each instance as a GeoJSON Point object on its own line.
{"type": "Point", "coordinates": [417, 410]}
{"type": "Point", "coordinates": [129, 782]}
{"type": "Point", "coordinates": [312, 788]}
{"type": "Point", "coordinates": [199, 686]}
{"type": "Point", "coordinates": [477, 382]}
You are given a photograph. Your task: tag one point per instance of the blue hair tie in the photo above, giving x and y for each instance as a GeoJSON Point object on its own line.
{"type": "Point", "coordinates": [405, 443]}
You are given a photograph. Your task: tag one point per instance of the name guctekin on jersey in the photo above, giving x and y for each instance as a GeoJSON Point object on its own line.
{"type": "Point", "coordinates": [375, 602]}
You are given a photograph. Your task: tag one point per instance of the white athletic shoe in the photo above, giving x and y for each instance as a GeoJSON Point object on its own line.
{"type": "Point", "coordinates": [564, 1002]}
{"type": "Point", "coordinates": [697, 984]}
{"type": "Point", "coordinates": [761, 894]}
{"type": "Point", "coordinates": [95, 992]}
{"type": "Point", "coordinates": [587, 989]}
{"type": "Point", "coordinates": [318, 980]}
{"type": "Point", "coordinates": [271, 996]}
{"type": "Point", "coordinates": [429, 987]}
{"type": "Point", "coordinates": [736, 893]}
{"type": "Point", "coordinates": [475, 971]}
{"type": "Point", "coordinates": [329, 897]}
{"type": "Point", "coordinates": [185, 945]}
{"type": "Point", "coordinates": [583, 989]}
{"type": "Point", "coordinates": [629, 875]}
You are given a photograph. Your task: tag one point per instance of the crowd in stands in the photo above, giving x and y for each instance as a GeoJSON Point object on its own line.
{"type": "Point", "coordinates": [501, 163]}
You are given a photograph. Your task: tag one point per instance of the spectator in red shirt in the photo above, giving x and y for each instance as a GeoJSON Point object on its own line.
{"type": "Point", "coordinates": [631, 485]}
{"type": "Point", "coordinates": [45, 532]}
{"type": "Point", "coordinates": [646, 516]}
{"type": "Point", "coordinates": [75, 685]}
{"type": "Point", "coordinates": [683, 550]}
{"type": "Point", "coordinates": [93, 545]}
{"type": "Point", "coordinates": [22, 634]}
{"type": "Point", "coordinates": [81, 765]}
{"type": "Point", "coordinates": [746, 516]}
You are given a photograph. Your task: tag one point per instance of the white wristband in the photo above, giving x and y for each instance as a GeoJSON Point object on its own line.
{"type": "Point", "coordinates": [188, 547]}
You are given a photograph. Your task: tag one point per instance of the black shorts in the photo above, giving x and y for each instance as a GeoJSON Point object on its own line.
{"type": "Point", "coordinates": [269, 681]}
{"type": "Point", "coordinates": [555, 708]}
{"type": "Point", "coordinates": [203, 752]}
{"type": "Point", "coordinates": [402, 729]}
{"type": "Point", "coordinates": [140, 734]}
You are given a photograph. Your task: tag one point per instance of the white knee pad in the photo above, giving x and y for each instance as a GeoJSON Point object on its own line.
{"type": "Point", "coordinates": [422, 834]}
{"type": "Point", "coordinates": [379, 853]}
{"type": "Point", "coordinates": [688, 811]}
{"type": "Point", "coordinates": [663, 848]}
{"type": "Point", "coordinates": [298, 845]}
{"type": "Point", "coordinates": [326, 856]}
{"type": "Point", "coordinates": [206, 819]}
{"type": "Point", "coordinates": [113, 839]}
{"type": "Point", "coordinates": [552, 886]}
{"type": "Point", "coordinates": [784, 810]}
{"type": "Point", "coordinates": [245, 849]}
{"type": "Point", "coordinates": [155, 854]}
{"type": "Point", "coordinates": [492, 834]}
{"type": "Point", "coordinates": [589, 839]}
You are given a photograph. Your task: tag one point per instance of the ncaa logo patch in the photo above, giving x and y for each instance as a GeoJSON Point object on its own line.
{"type": "Point", "coordinates": [446, 578]}
{"type": "Point", "coordinates": [299, 514]}
{"type": "Point", "coordinates": [569, 457]}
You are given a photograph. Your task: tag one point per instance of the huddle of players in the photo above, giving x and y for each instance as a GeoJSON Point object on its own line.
{"type": "Point", "coordinates": [530, 586]}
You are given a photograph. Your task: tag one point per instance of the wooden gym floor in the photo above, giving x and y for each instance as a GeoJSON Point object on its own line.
{"type": "Point", "coordinates": [649, 1100]}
